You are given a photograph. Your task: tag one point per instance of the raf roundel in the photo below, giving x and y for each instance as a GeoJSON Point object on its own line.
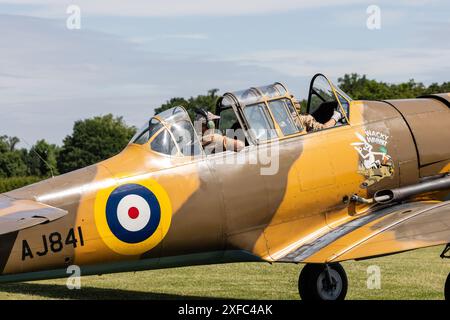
{"type": "Point", "coordinates": [133, 218]}
{"type": "Point", "coordinates": [133, 213]}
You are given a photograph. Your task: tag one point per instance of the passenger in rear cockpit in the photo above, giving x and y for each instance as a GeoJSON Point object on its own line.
{"type": "Point", "coordinates": [309, 123]}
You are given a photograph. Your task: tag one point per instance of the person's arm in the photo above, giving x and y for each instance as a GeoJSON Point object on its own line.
{"type": "Point", "coordinates": [334, 119]}
{"type": "Point", "coordinates": [330, 123]}
{"type": "Point", "coordinates": [312, 124]}
{"type": "Point", "coordinates": [235, 145]}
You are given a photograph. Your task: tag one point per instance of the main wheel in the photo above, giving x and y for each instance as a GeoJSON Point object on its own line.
{"type": "Point", "coordinates": [447, 288]}
{"type": "Point", "coordinates": [322, 282]}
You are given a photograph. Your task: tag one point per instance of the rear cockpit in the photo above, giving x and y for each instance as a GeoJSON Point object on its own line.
{"type": "Point", "coordinates": [170, 133]}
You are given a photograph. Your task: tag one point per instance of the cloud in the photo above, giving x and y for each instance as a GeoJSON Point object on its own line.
{"type": "Point", "coordinates": [186, 36]}
{"type": "Point", "coordinates": [422, 2]}
{"type": "Point", "coordinates": [164, 8]}
{"type": "Point", "coordinates": [424, 64]}
{"type": "Point", "coordinates": [168, 8]}
{"type": "Point", "coordinates": [356, 17]}
{"type": "Point", "coordinates": [51, 77]}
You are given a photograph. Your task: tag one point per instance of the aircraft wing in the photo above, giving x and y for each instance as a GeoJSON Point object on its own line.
{"type": "Point", "coordinates": [384, 231]}
{"type": "Point", "coordinates": [17, 215]}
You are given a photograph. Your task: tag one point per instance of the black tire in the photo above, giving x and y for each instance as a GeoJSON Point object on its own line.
{"type": "Point", "coordinates": [447, 288]}
{"type": "Point", "coordinates": [312, 279]}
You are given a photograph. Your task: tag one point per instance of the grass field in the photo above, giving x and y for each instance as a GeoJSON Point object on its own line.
{"type": "Point", "coordinates": [414, 275]}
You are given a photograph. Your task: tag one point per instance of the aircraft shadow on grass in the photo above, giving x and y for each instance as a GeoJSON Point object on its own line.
{"type": "Point", "coordinates": [54, 291]}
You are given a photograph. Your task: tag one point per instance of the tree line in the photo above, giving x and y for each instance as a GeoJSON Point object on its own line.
{"type": "Point", "coordinates": [91, 141]}
{"type": "Point", "coordinates": [95, 139]}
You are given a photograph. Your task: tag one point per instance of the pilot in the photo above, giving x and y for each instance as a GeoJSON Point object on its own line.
{"type": "Point", "coordinates": [212, 140]}
{"type": "Point", "coordinates": [308, 122]}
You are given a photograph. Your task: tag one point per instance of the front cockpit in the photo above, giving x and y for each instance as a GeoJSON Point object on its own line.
{"type": "Point", "coordinates": [324, 97]}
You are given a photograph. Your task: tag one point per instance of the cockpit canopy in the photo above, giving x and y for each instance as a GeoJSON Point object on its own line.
{"type": "Point", "coordinates": [256, 94]}
{"type": "Point", "coordinates": [266, 112]}
{"type": "Point", "coordinates": [170, 133]}
{"type": "Point", "coordinates": [261, 113]}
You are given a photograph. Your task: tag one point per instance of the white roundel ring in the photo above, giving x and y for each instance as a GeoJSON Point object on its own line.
{"type": "Point", "coordinates": [133, 212]}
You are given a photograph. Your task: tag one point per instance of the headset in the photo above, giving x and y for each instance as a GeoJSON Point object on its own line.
{"type": "Point", "coordinates": [210, 124]}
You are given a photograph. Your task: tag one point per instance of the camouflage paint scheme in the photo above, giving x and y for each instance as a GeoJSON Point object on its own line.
{"type": "Point", "coordinates": [214, 212]}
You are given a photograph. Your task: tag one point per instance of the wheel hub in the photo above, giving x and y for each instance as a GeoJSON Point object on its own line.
{"type": "Point", "coordinates": [329, 284]}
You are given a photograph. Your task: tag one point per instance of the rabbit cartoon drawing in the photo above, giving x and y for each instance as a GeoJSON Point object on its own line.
{"type": "Point", "coordinates": [364, 149]}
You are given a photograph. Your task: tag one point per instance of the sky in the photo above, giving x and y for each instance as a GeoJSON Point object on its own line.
{"type": "Point", "coordinates": [129, 57]}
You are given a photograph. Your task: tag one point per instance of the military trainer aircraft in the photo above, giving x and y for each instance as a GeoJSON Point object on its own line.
{"type": "Point", "coordinates": [377, 183]}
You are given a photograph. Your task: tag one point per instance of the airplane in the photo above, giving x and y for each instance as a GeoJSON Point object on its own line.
{"type": "Point", "coordinates": [377, 183]}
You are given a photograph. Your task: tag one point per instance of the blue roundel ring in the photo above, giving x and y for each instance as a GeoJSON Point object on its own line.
{"type": "Point", "coordinates": [112, 214]}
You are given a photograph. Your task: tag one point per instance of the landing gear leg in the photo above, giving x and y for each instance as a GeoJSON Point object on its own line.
{"type": "Point", "coordinates": [323, 282]}
{"type": "Point", "coordinates": [446, 255]}
{"type": "Point", "coordinates": [447, 288]}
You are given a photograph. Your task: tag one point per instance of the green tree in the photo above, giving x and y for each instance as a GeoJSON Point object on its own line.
{"type": "Point", "coordinates": [8, 144]}
{"type": "Point", "coordinates": [42, 159]}
{"type": "Point", "coordinates": [438, 88]}
{"type": "Point", "coordinates": [12, 165]}
{"type": "Point", "coordinates": [207, 102]}
{"type": "Point", "coordinates": [359, 87]}
{"type": "Point", "coordinates": [93, 140]}
{"type": "Point", "coordinates": [12, 161]}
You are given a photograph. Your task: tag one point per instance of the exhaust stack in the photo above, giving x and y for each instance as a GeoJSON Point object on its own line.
{"type": "Point", "coordinates": [400, 194]}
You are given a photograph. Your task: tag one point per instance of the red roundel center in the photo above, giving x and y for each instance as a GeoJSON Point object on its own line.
{"type": "Point", "coordinates": [133, 212]}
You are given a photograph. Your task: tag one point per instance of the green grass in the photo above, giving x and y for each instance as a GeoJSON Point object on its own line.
{"type": "Point", "coordinates": [414, 275]}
